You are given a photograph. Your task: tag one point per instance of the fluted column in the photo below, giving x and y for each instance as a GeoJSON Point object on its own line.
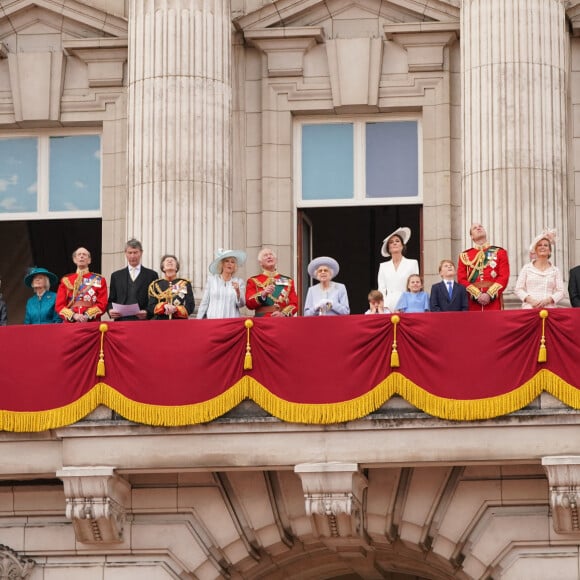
{"type": "Point", "coordinates": [515, 74]}
{"type": "Point", "coordinates": [179, 117]}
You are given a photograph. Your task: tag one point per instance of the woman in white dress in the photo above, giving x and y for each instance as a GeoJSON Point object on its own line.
{"type": "Point", "coordinates": [393, 274]}
{"type": "Point", "coordinates": [540, 284]}
{"type": "Point", "coordinates": [327, 298]}
{"type": "Point", "coordinates": [224, 294]}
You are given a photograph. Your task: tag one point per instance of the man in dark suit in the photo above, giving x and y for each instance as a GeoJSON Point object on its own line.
{"type": "Point", "coordinates": [448, 295]}
{"type": "Point", "coordinates": [130, 285]}
{"type": "Point", "coordinates": [574, 286]}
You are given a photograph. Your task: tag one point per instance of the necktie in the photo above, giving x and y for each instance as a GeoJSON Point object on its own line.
{"type": "Point", "coordinates": [133, 273]}
{"type": "Point", "coordinates": [450, 289]}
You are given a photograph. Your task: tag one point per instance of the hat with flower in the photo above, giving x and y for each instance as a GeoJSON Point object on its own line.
{"type": "Point", "coordinates": [547, 234]}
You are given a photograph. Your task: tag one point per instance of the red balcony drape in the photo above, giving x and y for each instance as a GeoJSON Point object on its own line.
{"type": "Point", "coordinates": [459, 366]}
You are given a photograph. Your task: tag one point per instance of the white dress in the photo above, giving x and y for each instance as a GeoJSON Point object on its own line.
{"type": "Point", "coordinates": [220, 299]}
{"type": "Point", "coordinates": [392, 283]}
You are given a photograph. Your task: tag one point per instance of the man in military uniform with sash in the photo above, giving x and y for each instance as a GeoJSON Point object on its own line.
{"type": "Point", "coordinates": [484, 270]}
{"type": "Point", "coordinates": [271, 293]}
{"type": "Point", "coordinates": [81, 296]}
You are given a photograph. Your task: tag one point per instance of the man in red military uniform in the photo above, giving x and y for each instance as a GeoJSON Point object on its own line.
{"type": "Point", "coordinates": [484, 270]}
{"type": "Point", "coordinates": [271, 293]}
{"type": "Point", "coordinates": [81, 296]}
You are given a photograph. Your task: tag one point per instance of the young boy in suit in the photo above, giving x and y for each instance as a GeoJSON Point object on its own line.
{"type": "Point", "coordinates": [448, 295]}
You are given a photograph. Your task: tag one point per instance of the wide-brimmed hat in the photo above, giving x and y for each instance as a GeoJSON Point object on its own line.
{"type": "Point", "coordinates": [39, 271]}
{"type": "Point", "coordinates": [547, 234]}
{"type": "Point", "coordinates": [222, 254]}
{"type": "Point", "coordinates": [323, 261]}
{"type": "Point", "coordinates": [404, 233]}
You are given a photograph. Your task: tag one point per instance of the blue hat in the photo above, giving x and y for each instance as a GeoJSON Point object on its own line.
{"type": "Point", "coordinates": [35, 272]}
{"type": "Point", "coordinates": [222, 254]}
{"type": "Point", "coordinates": [323, 261]}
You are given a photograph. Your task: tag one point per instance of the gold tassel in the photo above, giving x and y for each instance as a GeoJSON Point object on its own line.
{"type": "Point", "coordinates": [543, 354]}
{"type": "Point", "coordinates": [394, 354]}
{"type": "Point", "coordinates": [248, 358]}
{"type": "Point", "coordinates": [101, 364]}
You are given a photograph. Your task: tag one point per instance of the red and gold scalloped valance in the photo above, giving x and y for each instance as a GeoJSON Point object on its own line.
{"type": "Point", "coordinates": [458, 365]}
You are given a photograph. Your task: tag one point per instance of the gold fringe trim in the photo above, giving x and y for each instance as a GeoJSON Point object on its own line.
{"type": "Point", "coordinates": [325, 413]}
{"type": "Point", "coordinates": [440, 407]}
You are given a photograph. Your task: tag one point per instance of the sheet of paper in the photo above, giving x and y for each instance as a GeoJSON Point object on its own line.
{"type": "Point", "coordinates": [126, 309]}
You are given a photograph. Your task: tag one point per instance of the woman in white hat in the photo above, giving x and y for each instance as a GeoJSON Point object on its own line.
{"type": "Point", "coordinates": [327, 297]}
{"type": "Point", "coordinates": [224, 294]}
{"type": "Point", "coordinates": [540, 284]}
{"type": "Point", "coordinates": [393, 274]}
{"type": "Point", "coordinates": [40, 307]}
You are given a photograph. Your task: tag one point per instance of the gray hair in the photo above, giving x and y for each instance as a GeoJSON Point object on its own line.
{"type": "Point", "coordinates": [135, 244]}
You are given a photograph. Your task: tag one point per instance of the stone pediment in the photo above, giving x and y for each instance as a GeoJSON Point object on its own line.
{"type": "Point", "coordinates": [70, 20]}
{"type": "Point", "coordinates": [302, 13]}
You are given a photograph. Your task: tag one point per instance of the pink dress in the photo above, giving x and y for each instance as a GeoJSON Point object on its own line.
{"type": "Point", "coordinates": [540, 284]}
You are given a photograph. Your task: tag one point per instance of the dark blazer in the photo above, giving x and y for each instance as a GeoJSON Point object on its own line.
{"type": "Point", "coordinates": [118, 289]}
{"type": "Point", "coordinates": [574, 286]}
{"type": "Point", "coordinates": [440, 302]}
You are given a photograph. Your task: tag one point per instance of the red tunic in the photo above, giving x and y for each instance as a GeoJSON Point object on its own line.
{"type": "Point", "coordinates": [284, 298]}
{"type": "Point", "coordinates": [484, 269]}
{"type": "Point", "coordinates": [81, 293]}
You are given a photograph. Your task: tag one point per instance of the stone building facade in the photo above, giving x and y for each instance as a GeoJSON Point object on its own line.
{"type": "Point", "coordinates": [209, 115]}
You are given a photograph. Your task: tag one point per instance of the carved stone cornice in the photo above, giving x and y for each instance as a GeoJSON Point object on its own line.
{"type": "Point", "coordinates": [13, 566]}
{"type": "Point", "coordinates": [96, 499]}
{"type": "Point", "coordinates": [334, 500]}
{"type": "Point", "coordinates": [424, 42]}
{"type": "Point", "coordinates": [564, 480]}
{"type": "Point", "coordinates": [105, 59]}
{"type": "Point", "coordinates": [285, 47]}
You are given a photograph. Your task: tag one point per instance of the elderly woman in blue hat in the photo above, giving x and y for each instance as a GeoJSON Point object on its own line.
{"type": "Point", "coordinates": [40, 307]}
{"type": "Point", "coordinates": [328, 298]}
{"type": "Point", "coordinates": [224, 293]}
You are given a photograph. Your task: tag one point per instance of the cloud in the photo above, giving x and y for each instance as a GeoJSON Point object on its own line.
{"type": "Point", "coordinates": [6, 183]}
{"type": "Point", "coordinates": [10, 204]}
{"type": "Point", "coordinates": [70, 206]}
{"type": "Point", "coordinates": [32, 188]}
{"type": "Point", "coordinates": [97, 154]}
{"type": "Point", "coordinates": [80, 184]}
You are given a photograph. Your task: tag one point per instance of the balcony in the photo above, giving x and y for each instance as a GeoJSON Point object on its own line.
{"type": "Point", "coordinates": [432, 446]}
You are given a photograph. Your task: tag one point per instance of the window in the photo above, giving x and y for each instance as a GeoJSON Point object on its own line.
{"type": "Point", "coordinates": [357, 161]}
{"type": "Point", "coordinates": [50, 176]}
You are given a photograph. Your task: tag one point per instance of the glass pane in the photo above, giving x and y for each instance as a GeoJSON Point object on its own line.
{"type": "Point", "coordinates": [18, 175]}
{"type": "Point", "coordinates": [392, 165]}
{"type": "Point", "coordinates": [327, 161]}
{"type": "Point", "coordinates": [75, 173]}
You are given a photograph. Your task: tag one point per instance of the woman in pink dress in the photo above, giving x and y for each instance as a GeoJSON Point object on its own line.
{"type": "Point", "coordinates": [540, 283]}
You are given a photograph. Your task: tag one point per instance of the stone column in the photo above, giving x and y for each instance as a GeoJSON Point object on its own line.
{"type": "Point", "coordinates": [514, 57]}
{"type": "Point", "coordinates": [179, 119]}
